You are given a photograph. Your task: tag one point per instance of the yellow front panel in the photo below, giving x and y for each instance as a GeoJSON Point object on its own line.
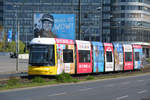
{"type": "Point", "coordinates": [56, 65]}
{"type": "Point", "coordinates": [42, 70]}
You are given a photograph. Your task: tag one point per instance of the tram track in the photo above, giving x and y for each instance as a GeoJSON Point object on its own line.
{"type": "Point", "coordinates": [8, 75]}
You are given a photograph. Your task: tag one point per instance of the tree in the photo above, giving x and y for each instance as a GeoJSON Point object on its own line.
{"type": "Point", "coordinates": [2, 44]}
{"type": "Point", "coordinates": [21, 47]}
{"type": "Point", "coordinates": [2, 40]}
{"type": "Point", "coordinates": [11, 47]}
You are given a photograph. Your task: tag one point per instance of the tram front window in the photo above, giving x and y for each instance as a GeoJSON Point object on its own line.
{"type": "Point", "coordinates": [42, 55]}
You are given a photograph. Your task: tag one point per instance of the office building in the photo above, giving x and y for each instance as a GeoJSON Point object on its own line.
{"type": "Point", "coordinates": [1, 19]}
{"type": "Point", "coordinates": [130, 20]}
{"type": "Point", "coordinates": [88, 19]}
{"type": "Point", "coordinates": [95, 20]}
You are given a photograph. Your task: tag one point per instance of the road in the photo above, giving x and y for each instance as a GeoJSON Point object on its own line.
{"type": "Point", "coordinates": [8, 65]}
{"type": "Point", "coordinates": [131, 88]}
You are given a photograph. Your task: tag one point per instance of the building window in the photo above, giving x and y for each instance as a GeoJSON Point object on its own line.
{"type": "Point", "coordinates": [122, 7]}
{"type": "Point", "coordinates": [122, 0]}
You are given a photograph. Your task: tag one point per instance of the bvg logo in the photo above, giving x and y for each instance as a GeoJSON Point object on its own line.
{"type": "Point", "coordinates": [108, 49]}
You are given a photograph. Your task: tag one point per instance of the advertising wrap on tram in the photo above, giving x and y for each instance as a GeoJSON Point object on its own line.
{"type": "Point", "coordinates": [118, 55]}
{"type": "Point", "coordinates": [65, 56]}
{"type": "Point", "coordinates": [98, 57]}
{"type": "Point", "coordinates": [84, 57]}
{"type": "Point", "coordinates": [109, 57]}
{"type": "Point", "coordinates": [53, 56]}
{"type": "Point", "coordinates": [137, 49]}
{"type": "Point", "coordinates": [128, 57]}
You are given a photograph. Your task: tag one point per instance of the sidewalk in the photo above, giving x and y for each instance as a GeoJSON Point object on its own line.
{"type": "Point", "coordinates": [8, 65]}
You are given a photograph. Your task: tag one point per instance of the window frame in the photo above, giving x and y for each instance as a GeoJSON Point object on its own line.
{"type": "Point", "coordinates": [128, 58]}
{"type": "Point", "coordinates": [66, 58]}
{"type": "Point", "coordinates": [108, 57]}
{"type": "Point", "coordinates": [85, 55]}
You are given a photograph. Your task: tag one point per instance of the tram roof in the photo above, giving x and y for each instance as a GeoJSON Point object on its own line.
{"type": "Point", "coordinates": [43, 41]}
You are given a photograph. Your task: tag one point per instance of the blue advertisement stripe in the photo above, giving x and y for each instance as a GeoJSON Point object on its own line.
{"type": "Point", "coordinates": [98, 57]}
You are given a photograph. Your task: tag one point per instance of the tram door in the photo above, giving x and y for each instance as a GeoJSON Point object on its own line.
{"type": "Point", "coordinates": [128, 57]}
{"type": "Point", "coordinates": [118, 55]}
{"type": "Point", "coordinates": [98, 57]}
{"type": "Point", "coordinates": [109, 57]}
{"type": "Point", "coordinates": [137, 49]}
{"type": "Point", "coordinates": [65, 56]}
{"type": "Point", "coordinates": [84, 57]}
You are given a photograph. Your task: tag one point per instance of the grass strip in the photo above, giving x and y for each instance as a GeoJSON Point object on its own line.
{"type": "Point", "coordinates": [14, 83]}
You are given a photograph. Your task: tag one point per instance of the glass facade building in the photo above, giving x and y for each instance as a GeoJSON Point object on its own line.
{"type": "Point", "coordinates": [95, 20]}
{"type": "Point", "coordinates": [1, 12]}
{"type": "Point", "coordinates": [88, 16]}
{"type": "Point", "coordinates": [106, 17]}
{"type": "Point", "coordinates": [130, 20]}
{"type": "Point", "coordinates": [1, 19]}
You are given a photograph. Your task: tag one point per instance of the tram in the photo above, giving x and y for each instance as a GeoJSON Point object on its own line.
{"type": "Point", "coordinates": [53, 56]}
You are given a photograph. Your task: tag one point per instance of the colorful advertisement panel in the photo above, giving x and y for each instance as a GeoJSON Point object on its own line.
{"type": "Point", "coordinates": [64, 41]}
{"type": "Point", "coordinates": [54, 25]}
{"type": "Point", "coordinates": [84, 57]}
{"type": "Point", "coordinates": [137, 49]}
{"type": "Point", "coordinates": [118, 55]}
{"type": "Point", "coordinates": [65, 56]}
{"type": "Point", "coordinates": [128, 57]}
{"type": "Point", "coordinates": [98, 57]}
{"type": "Point", "coordinates": [109, 57]}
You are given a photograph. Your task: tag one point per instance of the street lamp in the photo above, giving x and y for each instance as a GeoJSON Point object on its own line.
{"type": "Point", "coordinates": [100, 20]}
{"type": "Point", "coordinates": [119, 27]}
{"type": "Point", "coordinates": [17, 41]}
{"type": "Point", "coordinates": [139, 24]}
{"type": "Point", "coordinates": [98, 8]}
{"type": "Point", "coordinates": [79, 18]}
{"type": "Point", "coordinates": [91, 24]}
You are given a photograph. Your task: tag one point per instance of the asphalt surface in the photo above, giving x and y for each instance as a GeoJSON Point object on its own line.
{"type": "Point", "coordinates": [8, 65]}
{"type": "Point", "coordinates": [131, 88]}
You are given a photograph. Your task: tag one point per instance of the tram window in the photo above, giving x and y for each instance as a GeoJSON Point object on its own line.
{"type": "Point", "coordinates": [128, 56]}
{"type": "Point", "coordinates": [84, 56]}
{"type": "Point", "coordinates": [109, 56]}
{"type": "Point", "coordinates": [38, 55]}
{"type": "Point", "coordinates": [67, 56]}
{"type": "Point", "coordinates": [51, 55]}
{"type": "Point", "coordinates": [137, 58]}
{"type": "Point", "coordinates": [42, 55]}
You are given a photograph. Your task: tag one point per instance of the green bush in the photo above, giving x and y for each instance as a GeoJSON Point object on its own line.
{"type": "Point", "coordinates": [21, 47]}
{"type": "Point", "coordinates": [2, 45]}
{"type": "Point", "coordinates": [64, 77]}
{"type": "Point", "coordinates": [75, 80]}
{"type": "Point", "coordinates": [148, 60]}
{"type": "Point", "coordinates": [13, 82]}
{"type": "Point", "coordinates": [90, 77]}
{"type": "Point", "coordinates": [38, 80]}
{"type": "Point", "coordinates": [11, 46]}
